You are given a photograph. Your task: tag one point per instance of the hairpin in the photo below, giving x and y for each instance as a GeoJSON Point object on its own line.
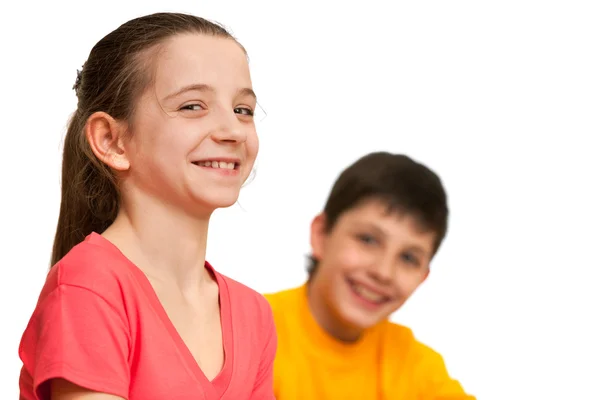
{"type": "Point", "coordinates": [77, 81]}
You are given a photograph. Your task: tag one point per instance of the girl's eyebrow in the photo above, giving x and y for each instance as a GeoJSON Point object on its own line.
{"type": "Point", "coordinates": [201, 87]}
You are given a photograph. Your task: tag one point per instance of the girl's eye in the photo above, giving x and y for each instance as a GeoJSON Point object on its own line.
{"type": "Point", "coordinates": [243, 111]}
{"type": "Point", "coordinates": [192, 107]}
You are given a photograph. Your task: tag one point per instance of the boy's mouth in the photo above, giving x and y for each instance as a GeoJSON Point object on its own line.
{"type": "Point", "coordinates": [367, 294]}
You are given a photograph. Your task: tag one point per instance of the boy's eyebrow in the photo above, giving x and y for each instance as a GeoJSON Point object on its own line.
{"type": "Point", "coordinates": [417, 249]}
{"type": "Point", "coordinates": [366, 224]}
{"type": "Point", "coordinates": [413, 247]}
{"type": "Point", "coordinates": [201, 87]}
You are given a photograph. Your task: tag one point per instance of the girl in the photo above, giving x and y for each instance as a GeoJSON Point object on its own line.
{"type": "Point", "coordinates": [162, 136]}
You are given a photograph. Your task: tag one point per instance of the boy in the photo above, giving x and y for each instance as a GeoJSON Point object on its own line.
{"type": "Point", "coordinates": [385, 218]}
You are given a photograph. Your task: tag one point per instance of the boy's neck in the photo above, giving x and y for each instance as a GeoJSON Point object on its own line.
{"type": "Point", "coordinates": [326, 318]}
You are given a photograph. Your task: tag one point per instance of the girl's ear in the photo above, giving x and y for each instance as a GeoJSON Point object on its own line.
{"type": "Point", "coordinates": [106, 136]}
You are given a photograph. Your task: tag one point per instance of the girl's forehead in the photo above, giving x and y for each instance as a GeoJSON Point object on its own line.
{"type": "Point", "coordinates": [196, 66]}
{"type": "Point", "coordinates": [201, 57]}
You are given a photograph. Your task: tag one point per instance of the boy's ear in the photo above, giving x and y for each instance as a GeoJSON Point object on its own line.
{"type": "Point", "coordinates": [318, 236]}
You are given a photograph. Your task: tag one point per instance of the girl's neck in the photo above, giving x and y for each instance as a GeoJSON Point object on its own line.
{"type": "Point", "coordinates": [165, 243]}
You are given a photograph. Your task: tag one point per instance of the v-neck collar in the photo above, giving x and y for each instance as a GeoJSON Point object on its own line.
{"type": "Point", "coordinates": [216, 387]}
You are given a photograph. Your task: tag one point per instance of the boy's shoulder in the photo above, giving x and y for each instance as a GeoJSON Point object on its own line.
{"type": "Point", "coordinates": [284, 299]}
{"type": "Point", "coordinates": [404, 352]}
{"type": "Point", "coordinates": [400, 339]}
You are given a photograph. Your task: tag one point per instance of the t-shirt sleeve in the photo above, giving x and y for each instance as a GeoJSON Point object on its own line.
{"type": "Point", "coordinates": [437, 383]}
{"type": "Point", "coordinates": [77, 335]}
{"type": "Point", "coordinates": [263, 385]}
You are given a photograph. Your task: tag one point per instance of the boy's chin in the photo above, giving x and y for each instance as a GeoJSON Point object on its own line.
{"type": "Point", "coordinates": [362, 320]}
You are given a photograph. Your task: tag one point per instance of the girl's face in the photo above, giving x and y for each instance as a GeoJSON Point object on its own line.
{"type": "Point", "coordinates": [194, 142]}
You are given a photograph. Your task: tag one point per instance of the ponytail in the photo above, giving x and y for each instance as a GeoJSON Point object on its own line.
{"type": "Point", "coordinates": [89, 197]}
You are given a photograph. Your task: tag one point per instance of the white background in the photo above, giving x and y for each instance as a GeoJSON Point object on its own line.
{"type": "Point", "coordinates": [501, 98]}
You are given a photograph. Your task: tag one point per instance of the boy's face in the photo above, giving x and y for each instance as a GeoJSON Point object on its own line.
{"type": "Point", "coordinates": [370, 263]}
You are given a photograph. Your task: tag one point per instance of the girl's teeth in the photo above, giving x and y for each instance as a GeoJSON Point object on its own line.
{"type": "Point", "coordinates": [219, 164]}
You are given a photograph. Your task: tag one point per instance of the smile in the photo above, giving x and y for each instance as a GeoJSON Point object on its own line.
{"type": "Point", "coordinates": [217, 164]}
{"type": "Point", "coordinates": [367, 294]}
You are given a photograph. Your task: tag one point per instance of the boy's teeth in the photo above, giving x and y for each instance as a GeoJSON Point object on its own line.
{"type": "Point", "coordinates": [368, 294]}
{"type": "Point", "coordinates": [219, 164]}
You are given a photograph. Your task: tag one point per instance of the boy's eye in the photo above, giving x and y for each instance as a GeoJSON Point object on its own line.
{"type": "Point", "coordinates": [366, 239]}
{"type": "Point", "coordinates": [409, 258]}
{"type": "Point", "coordinates": [243, 111]}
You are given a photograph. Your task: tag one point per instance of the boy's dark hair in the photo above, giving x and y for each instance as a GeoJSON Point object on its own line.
{"type": "Point", "coordinates": [401, 183]}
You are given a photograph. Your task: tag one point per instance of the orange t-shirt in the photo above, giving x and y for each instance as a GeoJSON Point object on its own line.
{"type": "Point", "coordinates": [387, 363]}
{"type": "Point", "coordinates": [99, 324]}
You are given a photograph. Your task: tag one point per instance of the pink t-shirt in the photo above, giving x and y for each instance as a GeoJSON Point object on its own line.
{"type": "Point", "coordinates": [99, 324]}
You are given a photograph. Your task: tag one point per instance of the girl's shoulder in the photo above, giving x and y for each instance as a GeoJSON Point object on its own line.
{"type": "Point", "coordinates": [245, 302]}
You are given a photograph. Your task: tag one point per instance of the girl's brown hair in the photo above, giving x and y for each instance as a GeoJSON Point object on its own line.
{"type": "Point", "coordinates": [112, 79]}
